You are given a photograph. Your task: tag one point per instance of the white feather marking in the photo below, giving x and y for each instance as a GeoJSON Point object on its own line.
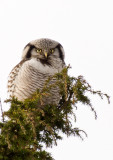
{"type": "Point", "coordinates": [25, 51]}
{"type": "Point", "coordinates": [43, 68]}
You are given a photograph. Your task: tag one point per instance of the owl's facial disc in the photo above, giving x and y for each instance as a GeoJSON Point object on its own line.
{"type": "Point", "coordinates": [43, 49]}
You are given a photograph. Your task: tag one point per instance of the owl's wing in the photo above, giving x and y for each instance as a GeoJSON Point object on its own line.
{"type": "Point", "coordinates": [12, 76]}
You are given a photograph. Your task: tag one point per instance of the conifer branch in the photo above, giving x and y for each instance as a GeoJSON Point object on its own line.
{"type": "Point", "coordinates": [31, 124]}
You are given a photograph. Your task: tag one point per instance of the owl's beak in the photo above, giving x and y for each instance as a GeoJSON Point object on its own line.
{"type": "Point", "coordinates": [45, 53]}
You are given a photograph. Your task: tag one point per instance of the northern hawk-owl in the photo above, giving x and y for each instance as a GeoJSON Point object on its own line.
{"type": "Point", "coordinates": [41, 59]}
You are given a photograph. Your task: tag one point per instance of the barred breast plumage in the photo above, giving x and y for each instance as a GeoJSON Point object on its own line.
{"type": "Point", "coordinates": [40, 59]}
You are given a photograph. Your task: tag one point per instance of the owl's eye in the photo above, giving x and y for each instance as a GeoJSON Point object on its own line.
{"type": "Point", "coordinates": [39, 50]}
{"type": "Point", "coordinates": [52, 50]}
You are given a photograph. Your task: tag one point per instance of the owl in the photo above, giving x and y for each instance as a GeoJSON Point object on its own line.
{"type": "Point", "coordinates": [41, 59]}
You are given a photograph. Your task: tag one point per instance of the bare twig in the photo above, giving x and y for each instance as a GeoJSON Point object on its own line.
{"type": "Point", "coordinates": [1, 110]}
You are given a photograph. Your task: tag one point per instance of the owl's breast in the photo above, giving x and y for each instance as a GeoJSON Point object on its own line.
{"type": "Point", "coordinates": [32, 76]}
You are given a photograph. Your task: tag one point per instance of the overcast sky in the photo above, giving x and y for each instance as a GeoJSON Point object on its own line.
{"type": "Point", "coordinates": [85, 29]}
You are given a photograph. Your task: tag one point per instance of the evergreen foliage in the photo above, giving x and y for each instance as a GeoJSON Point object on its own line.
{"type": "Point", "coordinates": [31, 124]}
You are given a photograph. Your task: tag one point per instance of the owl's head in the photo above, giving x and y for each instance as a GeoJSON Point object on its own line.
{"type": "Point", "coordinates": [43, 49]}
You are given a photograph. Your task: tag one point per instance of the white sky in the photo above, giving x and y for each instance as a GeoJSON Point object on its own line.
{"type": "Point", "coordinates": [85, 29]}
